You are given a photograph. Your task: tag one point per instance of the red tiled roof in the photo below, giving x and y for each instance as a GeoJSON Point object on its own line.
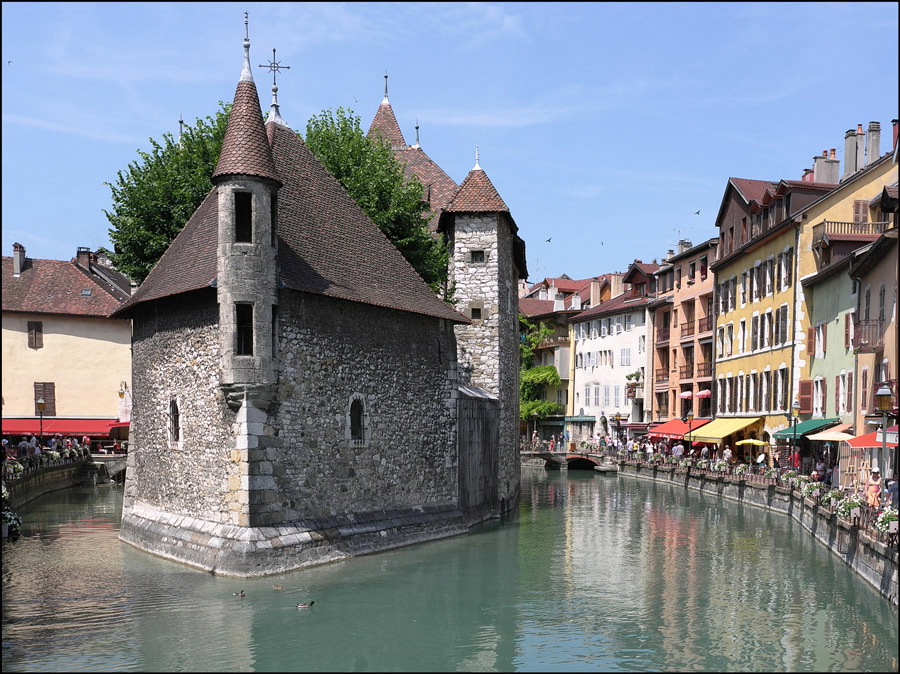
{"type": "Point", "coordinates": [245, 149]}
{"type": "Point", "coordinates": [386, 124]}
{"type": "Point", "coordinates": [439, 187]}
{"type": "Point", "coordinates": [618, 304]}
{"type": "Point", "coordinates": [476, 195]}
{"type": "Point", "coordinates": [752, 190]}
{"type": "Point", "coordinates": [55, 287]}
{"type": "Point", "coordinates": [528, 306]}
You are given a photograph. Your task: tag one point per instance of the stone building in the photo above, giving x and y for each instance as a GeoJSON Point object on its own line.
{"type": "Point", "coordinates": [296, 382]}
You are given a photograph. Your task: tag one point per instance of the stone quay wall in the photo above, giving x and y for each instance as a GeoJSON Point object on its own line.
{"type": "Point", "coordinates": [871, 559]}
{"type": "Point", "coordinates": [32, 486]}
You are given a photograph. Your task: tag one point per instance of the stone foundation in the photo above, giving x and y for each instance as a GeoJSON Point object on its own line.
{"type": "Point", "coordinates": [258, 551]}
{"type": "Point", "coordinates": [871, 559]}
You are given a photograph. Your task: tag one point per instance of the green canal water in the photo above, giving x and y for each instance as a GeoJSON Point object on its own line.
{"type": "Point", "coordinates": [594, 573]}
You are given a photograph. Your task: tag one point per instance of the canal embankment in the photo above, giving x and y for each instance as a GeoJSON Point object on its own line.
{"type": "Point", "coordinates": [875, 561]}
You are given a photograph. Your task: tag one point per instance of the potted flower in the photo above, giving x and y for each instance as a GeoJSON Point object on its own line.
{"type": "Point", "coordinates": [720, 466]}
{"type": "Point", "coordinates": [886, 522]}
{"type": "Point", "coordinates": [810, 489]}
{"type": "Point", "coordinates": [771, 472]}
{"type": "Point", "coordinates": [685, 463]}
{"type": "Point", "coordinates": [835, 496]}
{"type": "Point", "coordinates": [740, 469]}
{"type": "Point", "coordinates": [849, 507]}
{"type": "Point", "coordinates": [787, 477]}
{"type": "Point", "coordinates": [703, 464]}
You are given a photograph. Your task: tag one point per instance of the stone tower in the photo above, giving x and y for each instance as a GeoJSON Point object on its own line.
{"type": "Point", "coordinates": [247, 184]}
{"type": "Point", "coordinates": [487, 259]}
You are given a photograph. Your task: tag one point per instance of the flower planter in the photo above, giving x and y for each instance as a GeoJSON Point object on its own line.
{"type": "Point", "coordinates": [854, 513]}
{"type": "Point", "coordinates": [892, 527]}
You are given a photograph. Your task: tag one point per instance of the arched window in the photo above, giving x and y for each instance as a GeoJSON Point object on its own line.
{"type": "Point", "coordinates": [174, 422]}
{"type": "Point", "coordinates": [356, 420]}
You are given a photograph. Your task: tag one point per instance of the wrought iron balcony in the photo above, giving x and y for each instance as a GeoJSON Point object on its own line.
{"type": "Point", "coordinates": [687, 329]}
{"type": "Point", "coordinates": [662, 374]}
{"type": "Point", "coordinates": [686, 372]}
{"type": "Point", "coordinates": [704, 369]}
{"type": "Point", "coordinates": [868, 335]}
{"type": "Point", "coordinates": [662, 335]}
{"type": "Point", "coordinates": [706, 324]}
{"type": "Point", "coordinates": [854, 230]}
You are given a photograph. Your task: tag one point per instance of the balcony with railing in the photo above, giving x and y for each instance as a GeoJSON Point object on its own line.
{"type": "Point", "coordinates": [848, 231]}
{"type": "Point", "coordinates": [868, 335]}
{"type": "Point", "coordinates": [686, 371]}
{"type": "Point", "coordinates": [661, 374]}
{"type": "Point", "coordinates": [706, 324]}
{"type": "Point", "coordinates": [704, 369]}
{"type": "Point", "coordinates": [687, 329]}
{"type": "Point", "coordinates": [662, 335]}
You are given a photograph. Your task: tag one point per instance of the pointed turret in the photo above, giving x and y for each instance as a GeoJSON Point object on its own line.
{"type": "Point", "coordinates": [476, 194]}
{"type": "Point", "coordinates": [386, 124]}
{"type": "Point", "coordinates": [245, 148]}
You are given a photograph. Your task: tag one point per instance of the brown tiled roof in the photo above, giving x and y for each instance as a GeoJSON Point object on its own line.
{"type": "Point", "coordinates": [476, 195]}
{"type": "Point", "coordinates": [529, 306]}
{"type": "Point", "coordinates": [329, 246]}
{"type": "Point", "coordinates": [439, 187]}
{"type": "Point", "coordinates": [189, 262]}
{"type": "Point", "coordinates": [624, 302]}
{"type": "Point", "coordinates": [55, 287]}
{"type": "Point", "coordinates": [386, 124]}
{"type": "Point", "coordinates": [245, 149]}
{"type": "Point", "coordinates": [752, 190]}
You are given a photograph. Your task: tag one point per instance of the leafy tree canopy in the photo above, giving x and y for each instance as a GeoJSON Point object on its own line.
{"type": "Point", "coordinates": [532, 380]}
{"type": "Point", "coordinates": [156, 195]}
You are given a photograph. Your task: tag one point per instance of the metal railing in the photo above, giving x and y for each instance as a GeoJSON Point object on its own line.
{"type": "Point", "coordinates": [868, 334]}
{"type": "Point", "coordinates": [662, 374]}
{"type": "Point", "coordinates": [706, 324]}
{"type": "Point", "coordinates": [704, 369]}
{"type": "Point", "coordinates": [687, 329]}
{"type": "Point", "coordinates": [827, 227]}
{"type": "Point", "coordinates": [662, 335]}
{"type": "Point", "coordinates": [686, 372]}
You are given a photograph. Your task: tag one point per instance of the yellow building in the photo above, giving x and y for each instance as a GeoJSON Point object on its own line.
{"type": "Point", "coordinates": [61, 347]}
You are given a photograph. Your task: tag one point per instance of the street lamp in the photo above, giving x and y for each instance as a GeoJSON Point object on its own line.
{"type": "Point", "coordinates": [795, 413]}
{"type": "Point", "coordinates": [41, 405]}
{"type": "Point", "coordinates": [883, 403]}
{"type": "Point", "coordinates": [690, 421]}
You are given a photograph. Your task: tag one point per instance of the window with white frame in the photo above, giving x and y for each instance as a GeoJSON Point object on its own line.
{"type": "Point", "coordinates": [727, 388]}
{"type": "Point", "coordinates": [754, 281]}
{"type": "Point", "coordinates": [628, 322]}
{"type": "Point", "coordinates": [605, 395]}
{"type": "Point", "coordinates": [593, 329]}
{"type": "Point", "coordinates": [820, 340]}
{"type": "Point", "coordinates": [842, 394]}
{"type": "Point", "coordinates": [642, 343]}
{"type": "Point", "coordinates": [742, 335]}
{"type": "Point", "coordinates": [770, 276]}
{"type": "Point", "coordinates": [618, 324]}
{"type": "Point", "coordinates": [616, 395]}
{"type": "Point", "coordinates": [625, 356]}
{"type": "Point", "coordinates": [587, 394]}
{"type": "Point", "coordinates": [767, 329]}
{"type": "Point", "coordinates": [720, 342]}
{"type": "Point", "coordinates": [743, 288]}
{"type": "Point", "coordinates": [751, 396]}
{"type": "Point", "coordinates": [729, 339]}
{"type": "Point", "coordinates": [597, 395]}
{"type": "Point", "coordinates": [818, 397]}
{"type": "Point", "coordinates": [740, 393]}
{"type": "Point", "coordinates": [754, 333]}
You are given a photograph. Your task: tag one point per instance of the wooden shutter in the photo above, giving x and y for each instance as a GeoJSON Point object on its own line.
{"type": "Point", "coordinates": [47, 391]}
{"type": "Point", "coordinates": [861, 211]}
{"type": "Point", "coordinates": [810, 343]}
{"type": "Point", "coordinates": [805, 396]}
{"type": "Point", "coordinates": [35, 335]}
{"type": "Point", "coordinates": [847, 330]}
{"type": "Point", "coordinates": [862, 390]}
{"type": "Point", "coordinates": [849, 392]}
{"type": "Point", "coordinates": [837, 397]}
{"type": "Point", "coordinates": [824, 395]}
{"type": "Point", "coordinates": [779, 261]}
{"type": "Point", "coordinates": [824, 337]}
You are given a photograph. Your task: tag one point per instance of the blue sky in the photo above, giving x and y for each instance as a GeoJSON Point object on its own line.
{"type": "Point", "coordinates": [597, 122]}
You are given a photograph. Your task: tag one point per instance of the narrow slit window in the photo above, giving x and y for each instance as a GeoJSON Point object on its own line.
{"type": "Point", "coordinates": [174, 422]}
{"type": "Point", "coordinates": [243, 217]}
{"type": "Point", "coordinates": [356, 420]}
{"type": "Point", "coordinates": [244, 328]}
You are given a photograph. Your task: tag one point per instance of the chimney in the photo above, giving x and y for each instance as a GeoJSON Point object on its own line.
{"type": "Point", "coordinates": [860, 148]}
{"type": "Point", "coordinates": [83, 257]}
{"type": "Point", "coordinates": [873, 142]}
{"type": "Point", "coordinates": [808, 174]}
{"type": "Point", "coordinates": [683, 245]}
{"type": "Point", "coordinates": [849, 154]}
{"type": "Point", "coordinates": [18, 259]}
{"type": "Point", "coordinates": [826, 169]}
{"type": "Point", "coordinates": [670, 255]}
{"type": "Point", "coordinates": [595, 292]}
{"type": "Point", "coordinates": [896, 124]}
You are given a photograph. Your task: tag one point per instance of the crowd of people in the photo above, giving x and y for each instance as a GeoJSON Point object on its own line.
{"type": "Point", "coordinates": [28, 451]}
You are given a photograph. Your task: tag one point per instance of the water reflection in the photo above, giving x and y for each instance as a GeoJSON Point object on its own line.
{"type": "Point", "coordinates": [595, 572]}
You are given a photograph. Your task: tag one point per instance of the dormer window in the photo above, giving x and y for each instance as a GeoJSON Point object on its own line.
{"type": "Point", "coordinates": [243, 217]}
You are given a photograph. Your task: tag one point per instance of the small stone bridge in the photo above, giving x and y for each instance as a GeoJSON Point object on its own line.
{"type": "Point", "coordinates": [115, 463]}
{"type": "Point", "coordinates": [558, 460]}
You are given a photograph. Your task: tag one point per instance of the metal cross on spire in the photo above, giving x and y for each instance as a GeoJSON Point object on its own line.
{"type": "Point", "coordinates": [273, 67]}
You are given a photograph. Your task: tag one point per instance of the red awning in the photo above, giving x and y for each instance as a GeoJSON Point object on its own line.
{"type": "Point", "coordinates": [685, 394]}
{"type": "Point", "coordinates": [93, 428]}
{"type": "Point", "coordinates": [869, 440]}
{"type": "Point", "coordinates": [676, 429]}
{"type": "Point", "coordinates": [706, 393]}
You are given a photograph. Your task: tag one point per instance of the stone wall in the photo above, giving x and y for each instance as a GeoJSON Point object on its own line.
{"type": "Point", "coordinates": [478, 457]}
{"type": "Point", "coordinates": [874, 561]}
{"type": "Point", "coordinates": [45, 480]}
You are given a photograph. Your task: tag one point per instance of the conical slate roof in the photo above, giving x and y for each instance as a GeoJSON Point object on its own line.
{"type": "Point", "coordinates": [245, 148]}
{"type": "Point", "coordinates": [386, 124]}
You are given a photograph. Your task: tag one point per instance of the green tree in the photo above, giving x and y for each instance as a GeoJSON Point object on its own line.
{"type": "Point", "coordinates": [533, 379]}
{"type": "Point", "coordinates": [373, 176]}
{"type": "Point", "coordinates": [156, 195]}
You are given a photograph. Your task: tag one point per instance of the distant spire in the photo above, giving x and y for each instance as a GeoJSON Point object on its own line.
{"type": "Point", "coordinates": [180, 128]}
{"type": "Point", "coordinates": [385, 89]}
{"type": "Point", "coordinates": [476, 167]}
{"type": "Point", "coordinates": [273, 67]}
{"type": "Point", "coordinates": [417, 132]}
{"type": "Point", "coordinates": [246, 72]}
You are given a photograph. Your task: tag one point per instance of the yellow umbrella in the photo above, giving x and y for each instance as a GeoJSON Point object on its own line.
{"type": "Point", "coordinates": [752, 441]}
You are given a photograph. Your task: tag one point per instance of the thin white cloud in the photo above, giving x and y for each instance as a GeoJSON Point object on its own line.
{"type": "Point", "coordinates": [92, 131]}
